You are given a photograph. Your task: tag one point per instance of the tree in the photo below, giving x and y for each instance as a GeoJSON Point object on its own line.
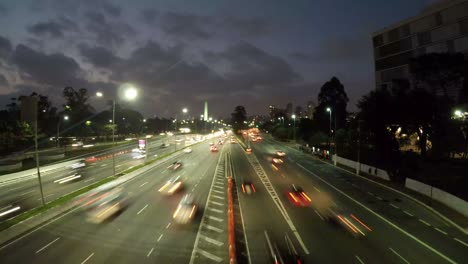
{"type": "Point", "coordinates": [332, 95]}
{"type": "Point", "coordinates": [78, 109]}
{"type": "Point", "coordinates": [238, 117]}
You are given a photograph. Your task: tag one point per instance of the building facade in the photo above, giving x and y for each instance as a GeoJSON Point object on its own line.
{"type": "Point", "coordinates": [439, 29]}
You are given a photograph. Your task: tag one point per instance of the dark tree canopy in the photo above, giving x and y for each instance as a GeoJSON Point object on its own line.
{"type": "Point", "coordinates": [238, 117]}
{"type": "Point", "coordinates": [332, 95]}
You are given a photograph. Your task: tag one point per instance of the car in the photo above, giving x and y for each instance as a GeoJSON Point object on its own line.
{"type": "Point", "coordinates": [282, 254]}
{"type": "Point", "coordinates": [248, 187]}
{"type": "Point", "coordinates": [186, 210]}
{"type": "Point", "coordinates": [277, 161]}
{"type": "Point", "coordinates": [248, 150]}
{"type": "Point", "coordinates": [280, 153]}
{"type": "Point", "coordinates": [78, 165]}
{"type": "Point", "coordinates": [91, 159]}
{"type": "Point", "coordinates": [211, 144]}
{"type": "Point", "coordinates": [348, 221]}
{"type": "Point", "coordinates": [139, 156]}
{"type": "Point", "coordinates": [172, 186]}
{"type": "Point", "coordinates": [298, 197]}
{"type": "Point", "coordinates": [137, 150]}
{"type": "Point", "coordinates": [164, 145]}
{"type": "Point", "coordinates": [233, 141]}
{"type": "Point", "coordinates": [175, 165]}
{"type": "Point", "coordinates": [188, 150]}
{"type": "Point", "coordinates": [214, 149]}
{"type": "Point", "coordinates": [106, 205]}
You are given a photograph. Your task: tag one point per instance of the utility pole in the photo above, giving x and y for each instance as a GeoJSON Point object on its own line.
{"type": "Point", "coordinates": [113, 136]}
{"type": "Point", "coordinates": [334, 139]}
{"type": "Point", "coordinates": [358, 168]}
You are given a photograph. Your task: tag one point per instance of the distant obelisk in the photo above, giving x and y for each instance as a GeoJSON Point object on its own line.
{"type": "Point", "coordinates": [205, 113]}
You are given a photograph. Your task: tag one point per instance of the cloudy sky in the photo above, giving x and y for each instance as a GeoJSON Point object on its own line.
{"type": "Point", "coordinates": [181, 53]}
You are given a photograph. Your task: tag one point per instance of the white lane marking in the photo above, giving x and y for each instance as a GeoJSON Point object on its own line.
{"type": "Point", "coordinates": [424, 222]}
{"type": "Point", "coordinates": [219, 187]}
{"type": "Point", "coordinates": [88, 180]}
{"type": "Point", "coordinates": [370, 193]}
{"type": "Point", "coordinates": [396, 253]}
{"type": "Point", "coordinates": [139, 212]}
{"type": "Point", "coordinates": [316, 189]}
{"type": "Point", "coordinates": [86, 259]}
{"type": "Point", "coordinates": [274, 196]}
{"type": "Point", "coordinates": [394, 206]}
{"type": "Point", "coordinates": [209, 255]}
{"type": "Point", "coordinates": [359, 259]}
{"type": "Point", "coordinates": [46, 246]}
{"type": "Point", "coordinates": [215, 210]}
{"type": "Point", "coordinates": [118, 165]}
{"type": "Point", "coordinates": [219, 183]}
{"type": "Point", "coordinates": [217, 196]}
{"type": "Point", "coordinates": [212, 241]}
{"type": "Point", "coordinates": [243, 225]}
{"type": "Point", "coordinates": [381, 217]}
{"type": "Point", "coordinates": [219, 230]}
{"type": "Point", "coordinates": [441, 231]}
{"type": "Point", "coordinates": [159, 238]}
{"type": "Point", "coordinates": [10, 210]}
{"type": "Point", "coordinates": [379, 198]}
{"type": "Point", "coordinates": [149, 253]}
{"type": "Point", "coordinates": [408, 213]}
{"type": "Point", "coordinates": [213, 202]}
{"type": "Point", "coordinates": [197, 238]}
{"type": "Point", "coordinates": [318, 214]}
{"type": "Point", "coordinates": [216, 191]}
{"type": "Point", "coordinates": [103, 165]}
{"type": "Point", "coordinates": [461, 242]}
{"type": "Point", "coordinates": [46, 196]}
{"type": "Point", "coordinates": [27, 192]}
{"type": "Point", "coordinates": [168, 225]}
{"type": "Point", "coordinates": [143, 184]}
{"type": "Point", "coordinates": [215, 218]}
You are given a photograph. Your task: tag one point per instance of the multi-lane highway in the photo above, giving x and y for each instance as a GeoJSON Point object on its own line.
{"type": "Point", "coordinates": [26, 193]}
{"type": "Point", "coordinates": [402, 231]}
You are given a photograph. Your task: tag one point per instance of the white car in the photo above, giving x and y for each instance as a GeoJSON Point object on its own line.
{"type": "Point", "coordinates": [141, 156]}
{"type": "Point", "coordinates": [186, 210]}
{"type": "Point", "coordinates": [280, 153]}
{"type": "Point", "coordinates": [188, 150]}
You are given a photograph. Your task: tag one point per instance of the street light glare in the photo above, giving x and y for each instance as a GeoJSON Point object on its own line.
{"type": "Point", "coordinates": [328, 109]}
{"type": "Point", "coordinates": [184, 110]}
{"type": "Point", "coordinates": [99, 94]}
{"type": "Point", "coordinates": [130, 93]}
{"type": "Point", "coordinates": [458, 113]}
{"type": "Point", "coordinates": [65, 117]}
{"type": "Point", "coordinates": [293, 116]}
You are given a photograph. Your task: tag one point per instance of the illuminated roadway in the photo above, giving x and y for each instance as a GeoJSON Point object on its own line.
{"type": "Point", "coordinates": [402, 230]}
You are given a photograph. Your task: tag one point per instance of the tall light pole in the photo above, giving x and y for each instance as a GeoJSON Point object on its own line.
{"type": "Point", "coordinates": [130, 93]}
{"type": "Point", "coordinates": [58, 129]}
{"type": "Point", "coordinates": [330, 131]}
{"type": "Point", "coordinates": [294, 127]}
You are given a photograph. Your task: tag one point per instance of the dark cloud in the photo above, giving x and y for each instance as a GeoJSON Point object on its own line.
{"type": "Point", "coordinates": [3, 81]}
{"type": "Point", "coordinates": [186, 25]}
{"type": "Point", "coordinates": [53, 28]}
{"type": "Point", "coordinates": [337, 50]}
{"type": "Point", "coordinates": [5, 48]}
{"type": "Point", "coordinates": [255, 67]}
{"type": "Point", "coordinates": [98, 56]}
{"type": "Point", "coordinates": [3, 10]}
{"type": "Point", "coordinates": [107, 32]}
{"type": "Point", "coordinates": [149, 15]}
{"type": "Point", "coordinates": [252, 27]}
{"type": "Point", "coordinates": [54, 69]}
{"type": "Point", "coordinates": [73, 6]}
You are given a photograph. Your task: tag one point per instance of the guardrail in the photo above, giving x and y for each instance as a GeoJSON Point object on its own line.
{"type": "Point", "coordinates": [231, 228]}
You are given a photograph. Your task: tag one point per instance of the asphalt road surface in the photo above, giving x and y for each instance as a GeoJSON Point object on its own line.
{"type": "Point", "coordinates": [402, 231]}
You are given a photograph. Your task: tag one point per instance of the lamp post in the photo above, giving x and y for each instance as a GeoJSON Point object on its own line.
{"type": "Point", "coordinates": [330, 130]}
{"type": "Point", "coordinates": [130, 93]}
{"type": "Point", "coordinates": [294, 127]}
{"type": "Point", "coordinates": [58, 129]}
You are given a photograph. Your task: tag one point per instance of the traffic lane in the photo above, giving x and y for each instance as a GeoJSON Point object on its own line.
{"type": "Point", "coordinates": [392, 199]}
{"type": "Point", "coordinates": [325, 242]}
{"type": "Point", "coordinates": [67, 227]}
{"type": "Point", "coordinates": [383, 235]}
{"type": "Point", "coordinates": [258, 210]}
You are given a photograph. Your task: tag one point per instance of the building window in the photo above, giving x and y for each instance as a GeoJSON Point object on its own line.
{"type": "Point", "coordinates": [393, 61]}
{"type": "Point", "coordinates": [464, 27]}
{"type": "Point", "coordinates": [424, 38]}
{"type": "Point", "coordinates": [378, 40]}
{"type": "Point", "coordinates": [404, 31]}
{"type": "Point", "coordinates": [438, 19]}
{"type": "Point", "coordinates": [395, 47]}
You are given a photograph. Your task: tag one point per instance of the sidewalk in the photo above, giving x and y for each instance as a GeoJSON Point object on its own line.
{"type": "Point", "coordinates": [433, 205]}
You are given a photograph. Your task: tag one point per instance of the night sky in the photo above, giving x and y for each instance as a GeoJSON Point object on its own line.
{"type": "Point", "coordinates": [181, 53]}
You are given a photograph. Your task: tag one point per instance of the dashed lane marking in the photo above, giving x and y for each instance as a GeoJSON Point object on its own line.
{"type": "Point", "coordinates": [143, 184]}
{"type": "Point", "coordinates": [217, 196]}
{"type": "Point", "coordinates": [86, 259]}
{"type": "Point", "coordinates": [219, 230]}
{"type": "Point", "coordinates": [461, 242]}
{"type": "Point", "coordinates": [160, 236]}
{"type": "Point", "coordinates": [318, 214]}
{"type": "Point", "coordinates": [215, 210]}
{"type": "Point", "coordinates": [209, 255]}
{"type": "Point", "coordinates": [216, 191]}
{"type": "Point", "coordinates": [424, 222]}
{"type": "Point", "coordinates": [168, 225]}
{"type": "Point", "coordinates": [212, 241]}
{"type": "Point", "coordinates": [394, 206]}
{"type": "Point", "coordinates": [359, 259]}
{"type": "Point", "coordinates": [408, 213]}
{"type": "Point", "coordinates": [149, 253]}
{"type": "Point", "coordinates": [396, 253]}
{"type": "Point", "coordinates": [46, 246]}
{"type": "Point", "coordinates": [215, 218]}
{"type": "Point", "coordinates": [213, 202]}
{"type": "Point", "coordinates": [441, 231]}
{"type": "Point", "coordinates": [139, 212]}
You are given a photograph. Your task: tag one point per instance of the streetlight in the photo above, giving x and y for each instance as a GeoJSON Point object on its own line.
{"type": "Point", "coordinates": [458, 113]}
{"type": "Point", "coordinates": [294, 131]}
{"type": "Point", "coordinates": [330, 131]}
{"type": "Point", "coordinates": [130, 93]}
{"type": "Point", "coordinates": [58, 129]}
